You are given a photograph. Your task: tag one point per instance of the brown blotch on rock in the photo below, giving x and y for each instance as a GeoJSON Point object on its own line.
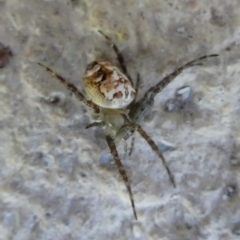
{"type": "Point", "coordinates": [5, 54]}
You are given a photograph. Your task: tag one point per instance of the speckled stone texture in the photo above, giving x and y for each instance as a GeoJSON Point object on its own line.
{"type": "Point", "coordinates": [55, 182]}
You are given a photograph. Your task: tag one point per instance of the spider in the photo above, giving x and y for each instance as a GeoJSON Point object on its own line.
{"type": "Point", "coordinates": [111, 96]}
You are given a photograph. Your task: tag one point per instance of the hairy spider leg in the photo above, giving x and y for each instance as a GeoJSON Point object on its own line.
{"type": "Point", "coordinates": [143, 104]}
{"type": "Point", "coordinates": [161, 85]}
{"type": "Point", "coordinates": [152, 144]}
{"type": "Point", "coordinates": [131, 145]}
{"type": "Point", "coordinates": [95, 124]}
{"type": "Point", "coordinates": [122, 172]}
{"type": "Point", "coordinates": [120, 57]}
{"type": "Point", "coordinates": [136, 87]}
{"type": "Point", "coordinates": [138, 111]}
{"type": "Point", "coordinates": [132, 105]}
{"type": "Point", "coordinates": [72, 88]}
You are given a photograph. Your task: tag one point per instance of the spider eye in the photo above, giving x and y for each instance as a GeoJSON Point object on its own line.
{"type": "Point", "coordinates": [107, 86]}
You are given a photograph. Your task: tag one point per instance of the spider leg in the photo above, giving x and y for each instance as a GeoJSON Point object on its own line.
{"type": "Point", "coordinates": [121, 170]}
{"type": "Point", "coordinates": [131, 146]}
{"type": "Point", "coordinates": [130, 106]}
{"type": "Point", "coordinates": [95, 124]}
{"type": "Point", "coordinates": [118, 53]}
{"type": "Point", "coordinates": [137, 84]}
{"type": "Point", "coordinates": [164, 82]}
{"type": "Point", "coordinates": [153, 145]}
{"type": "Point", "coordinates": [136, 87]}
{"type": "Point", "coordinates": [143, 104]}
{"type": "Point", "coordinates": [72, 88]}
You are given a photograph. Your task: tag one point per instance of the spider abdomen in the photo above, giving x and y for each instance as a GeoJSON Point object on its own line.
{"type": "Point", "coordinates": [107, 86]}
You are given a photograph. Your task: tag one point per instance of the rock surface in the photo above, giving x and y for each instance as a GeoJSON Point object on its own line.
{"type": "Point", "coordinates": [53, 184]}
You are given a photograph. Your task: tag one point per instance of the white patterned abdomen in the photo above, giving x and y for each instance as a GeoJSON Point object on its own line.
{"type": "Point", "coordinates": [107, 86]}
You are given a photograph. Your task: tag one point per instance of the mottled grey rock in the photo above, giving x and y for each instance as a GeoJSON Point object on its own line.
{"type": "Point", "coordinates": [52, 184]}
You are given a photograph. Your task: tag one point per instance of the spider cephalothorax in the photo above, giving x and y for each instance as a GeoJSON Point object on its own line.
{"type": "Point", "coordinates": [111, 96]}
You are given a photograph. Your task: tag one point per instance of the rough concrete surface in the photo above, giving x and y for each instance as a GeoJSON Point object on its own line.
{"type": "Point", "coordinates": [56, 181]}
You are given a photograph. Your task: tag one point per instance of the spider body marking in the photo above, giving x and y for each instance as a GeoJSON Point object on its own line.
{"type": "Point", "coordinates": [112, 97]}
{"type": "Point", "coordinates": [107, 86]}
